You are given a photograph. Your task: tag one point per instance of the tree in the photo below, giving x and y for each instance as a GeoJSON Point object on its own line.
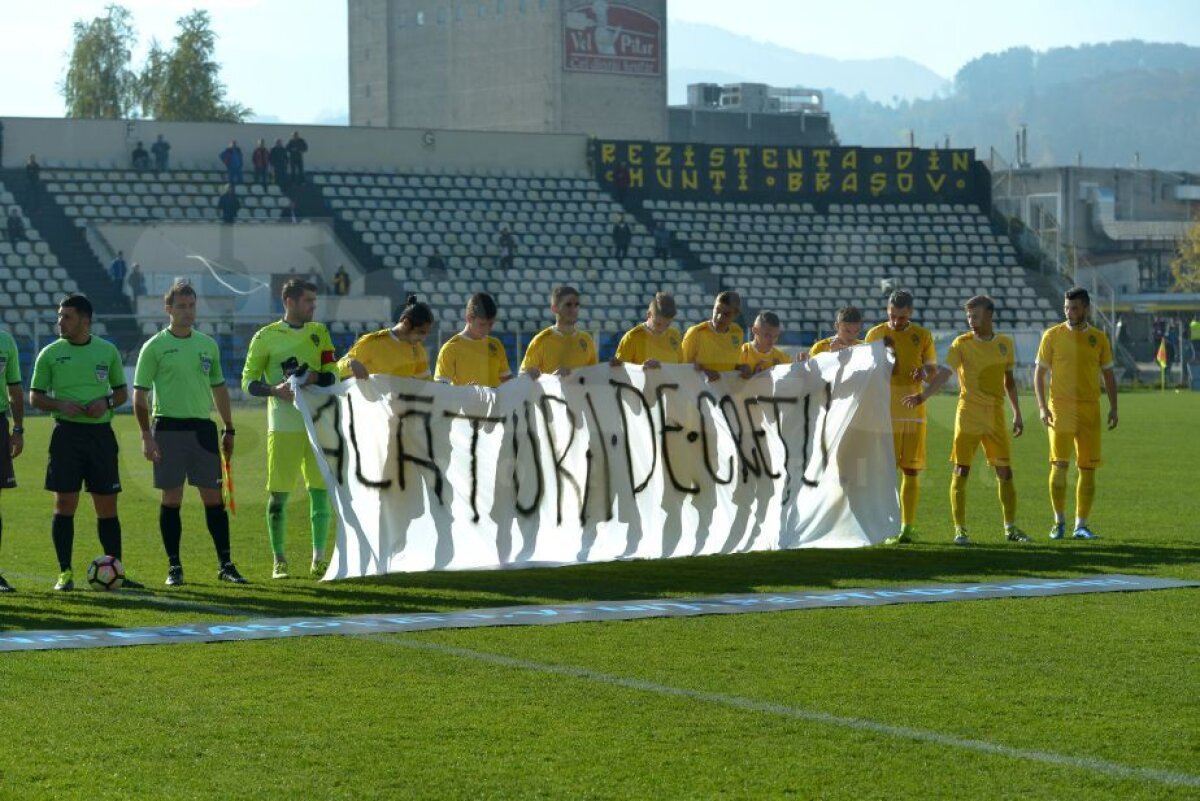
{"type": "Point", "coordinates": [1185, 267]}
{"type": "Point", "coordinates": [184, 84]}
{"type": "Point", "coordinates": [99, 82]}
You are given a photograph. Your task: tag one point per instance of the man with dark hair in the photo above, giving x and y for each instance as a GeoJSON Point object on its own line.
{"type": "Point", "coordinates": [295, 346]}
{"type": "Point", "coordinates": [15, 227]}
{"type": "Point", "coordinates": [140, 158]}
{"type": "Point", "coordinates": [278, 157]}
{"type": "Point", "coordinates": [715, 345]}
{"type": "Point", "coordinates": [228, 205]}
{"type": "Point", "coordinates": [1073, 353]}
{"type": "Point", "coordinates": [984, 361]}
{"type": "Point", "coordinates": [296, 148]}
{"type": "Point", "coordinates": [560, 348]}
{"type": "Point", "coordinates": [508, 248]}
{"type": "Point", "coordinates": [162, 151]}
{"type": "Point", "coordinates": [79, 379]}
{"type": "Point", "coordinates": [117, 272]}
{"type": "Point", "coordinates": [182, 368]}
{"type": "Point", "coordinates": [622, 235]}
{"type": "Point", "coordinates": [233, 160]}
{"type": "Point", "coordinates": [12, 442]}
{"type": "Point", "coordinates": [916, 362]}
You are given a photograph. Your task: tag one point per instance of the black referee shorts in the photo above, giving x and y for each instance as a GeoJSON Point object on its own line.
{"type": "Point", "coordinates": [188, 451]}
{"type": "Point", "coordinates": [8, 479]}
{"type": "Point", "coordinates": [83, 454]}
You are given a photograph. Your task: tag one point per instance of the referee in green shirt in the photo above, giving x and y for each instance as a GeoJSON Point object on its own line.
{"type": "Point", "coordinates": [12, 442]}
{"type": "Point", "coordinates": [182, 367]}
{"type": "Point", "coordinates": [79, 379]}
{"type": "Point", "coordinates": [293, 346]}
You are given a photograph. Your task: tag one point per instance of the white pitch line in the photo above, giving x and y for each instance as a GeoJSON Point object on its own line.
{"type": "Point", "coordinates": [1115, 769]}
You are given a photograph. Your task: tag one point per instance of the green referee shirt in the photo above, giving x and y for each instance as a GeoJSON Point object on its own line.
{"type": "Point", "coordinates": [275, 344]}
{"type": "Point", "coordinates": [181, 371]}
{"type": "Point", "coordinates": [10, 366]}
{"type": "Point", "coordinates": [80, 374]}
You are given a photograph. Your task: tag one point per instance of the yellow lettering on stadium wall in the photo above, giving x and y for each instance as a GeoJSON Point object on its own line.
{"type": "Point", "coordinates": [690, 170]}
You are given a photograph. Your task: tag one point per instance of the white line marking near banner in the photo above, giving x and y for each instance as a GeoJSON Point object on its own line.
{"type": "Point", "coordinates": [1094, 765]}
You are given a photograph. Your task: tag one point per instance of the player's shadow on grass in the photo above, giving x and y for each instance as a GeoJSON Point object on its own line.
{"type": "Point", "coordinates": [779, 571]}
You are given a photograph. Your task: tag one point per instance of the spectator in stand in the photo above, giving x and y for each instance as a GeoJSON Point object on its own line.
{"type": "Point", "coordinates": [16, 227]}
{"type": "Point", "coordinates": [341, 281]}
{"type": "Point", "coordinates": [231, 157]}
{"type": "Point", "coordinates": [33, 173]}
{"type": "Point", "coordinates": [279, 163]}
{"type": "Point", "coordinates": [508, 248]}
{"type": "Point", "coordinates": [117, 272]}
{"type": "Point", "coordinates": [137, 282]}
{"type": "Point", "coordinates": [141, 158]}
{"type": "Point", "coordinates": [288, 212]}
{"type": "Point", "coordinates": [622, 235]}
{"type": "Point", "coordinates": [261, 159]}
{"type": "Point", "coordinates": [621, 180]}
{"type": "Point", "coordinates": [296, 148]}
{"type": "Point", "coordinates": [162, 151]}
{"type": "Point", "coordinates": [436, 263]}
{"type": "Point", "coordinates": [662, 241]}
{"type": "Point", "coordinates": [228, 204]}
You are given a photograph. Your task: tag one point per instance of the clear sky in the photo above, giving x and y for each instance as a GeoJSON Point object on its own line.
{"type": "Point", "coordinates": [286, 59]}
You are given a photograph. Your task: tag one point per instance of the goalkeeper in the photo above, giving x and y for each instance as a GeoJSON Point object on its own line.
{"type": "Point", "coordinates": [293, 346]}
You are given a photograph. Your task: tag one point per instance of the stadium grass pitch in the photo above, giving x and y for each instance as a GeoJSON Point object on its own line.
{"type": "Point", "coordinates": [1093, 696]}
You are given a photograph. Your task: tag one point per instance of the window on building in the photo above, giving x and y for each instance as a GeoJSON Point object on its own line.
{"type": "Point", "coordinates": [401, 19]}
{"type": "Point", "coordinates": [442, 16]}
{"type": "Point", "coordinates": [458, 13]}
{"type": "Point", "coordinates": [483, 10]}
{"type": "Point", "coordinates": [420, 17]}
{"type": "Point", "coordinates": [522, 5]}
{"type": "Point", "coordinates": [500, 7]}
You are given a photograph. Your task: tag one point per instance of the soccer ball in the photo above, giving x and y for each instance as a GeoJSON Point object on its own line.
{"type": "Point", "coordinates": [106, 573]}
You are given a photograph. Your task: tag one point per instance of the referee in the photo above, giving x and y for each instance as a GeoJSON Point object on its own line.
{"type": "Point", "coordinates": [11, 442]}
{"type": "Point", "coordinates": [79, 379]}
{"type": "Point", "coordinates": [182, 367]}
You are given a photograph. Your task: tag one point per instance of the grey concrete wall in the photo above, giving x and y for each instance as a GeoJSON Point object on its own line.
{"type": "Point", "coordinates": [493, 65]}
{"type": "Point", "coordinates": [109, 142]}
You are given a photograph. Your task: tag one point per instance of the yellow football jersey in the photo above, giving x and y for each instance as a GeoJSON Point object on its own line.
{"type": "Point", "coordinates": [757, 360]}
{"type": "Point", "coordinates": [914, 348]}
{"type": "Point", "coordinates": [382, 352]}
{"type": "Point", "coordinates": [822, 346]}
{"type": "Point", "coordinates": [981, 365]}
{"type": "Point", "coordinates": [640, 345]}
{"type": "Point", "coordinates": [463, 360]}
{"type": "Point", "coordinates": [553, 350]}
{"type": "Point", "coordinates": [712, 351]}
{"type": "Point", "coordinates": [1075, 359]}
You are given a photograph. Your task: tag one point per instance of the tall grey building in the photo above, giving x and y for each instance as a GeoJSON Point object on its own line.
{"type": "Point", "coordinates": [535, 66]}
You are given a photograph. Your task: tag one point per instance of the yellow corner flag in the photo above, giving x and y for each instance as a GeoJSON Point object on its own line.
{"type": "Point", "coordinates": [1161, 357]}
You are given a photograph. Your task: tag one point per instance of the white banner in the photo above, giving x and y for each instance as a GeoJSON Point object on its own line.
{"type": "Point", "coordinates": [607, 463]}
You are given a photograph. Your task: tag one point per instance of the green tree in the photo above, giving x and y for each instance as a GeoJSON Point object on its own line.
{"type": "Point", "coordinates": [184, 84]}
{"type": "Point", "coordinates": [100, 83]}
{"type": "Point", "coordinates": [1185, 267]}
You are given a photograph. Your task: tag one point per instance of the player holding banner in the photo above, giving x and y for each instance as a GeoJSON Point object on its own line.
{"type": "Point", "coordinates": [293, 346]}
{"type": "Point", "coordinates": [182, 367]}
{"type": "Point", "coordinates": [12, 442]}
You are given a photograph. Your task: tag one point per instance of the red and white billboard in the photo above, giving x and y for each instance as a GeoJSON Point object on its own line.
{"type": "Point", "coordinates": [613, 39]}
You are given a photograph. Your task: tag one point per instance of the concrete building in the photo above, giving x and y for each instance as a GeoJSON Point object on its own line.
{"type": "Point", "coordinates": [751, 114]}
{"type": "Point", "coordinates": [533, 66]}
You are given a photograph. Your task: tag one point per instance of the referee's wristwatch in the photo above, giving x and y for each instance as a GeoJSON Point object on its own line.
{"type": "Point", "coordinates": [18, 429]}
{"type": "Point", "coordinates": [108, 401]}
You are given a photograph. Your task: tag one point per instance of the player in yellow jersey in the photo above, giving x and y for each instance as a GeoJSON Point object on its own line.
{"type": "Point", "coordinates": [472, 356]}
{"type": "Point", "coordinates": [715, 345]}
{"type": "Point", "coordinates": [654, 342]}
{"type": "Point", "coordinates": [984, 361]}
{"type": "Point", "coordinates": [761, 354]}
{"type": "Point", "coordinates": [847, 325]}
{"type": "Point", "coordinates": [397, 351]}
{"type": "Point", "coordinates": [916, 362]}
{"type": "Point", "coordinates": [1073, 353]}
{"type": "Point", "coordinates": [560, 348]}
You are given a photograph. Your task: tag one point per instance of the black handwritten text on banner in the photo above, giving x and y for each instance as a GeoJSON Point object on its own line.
{"type": "Point", "coordinates": [608, 463]}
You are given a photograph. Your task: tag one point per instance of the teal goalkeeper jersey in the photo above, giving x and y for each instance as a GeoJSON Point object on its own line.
{"type": "Point", "coordinates": [79, 373]}
{"type": "Point", "coordinates": [181, 371]}
{"type": "Point", "coordinates": [277, 344]}
{"type": "Point", "coordinates": [10, 366]}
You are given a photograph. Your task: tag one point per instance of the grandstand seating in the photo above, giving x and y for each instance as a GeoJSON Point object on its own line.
{"type": "Point", "coordinates": [31, 283]}
{"type": "Point", "coordinates": [92, 195]}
